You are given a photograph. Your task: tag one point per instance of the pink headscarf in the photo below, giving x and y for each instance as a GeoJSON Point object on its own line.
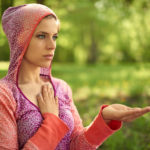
{"type": "Point", "coordinates": [19, 24]}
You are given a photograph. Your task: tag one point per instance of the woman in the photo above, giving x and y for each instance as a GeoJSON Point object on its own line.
{"type": "Point", "coordinates": [36, 110]}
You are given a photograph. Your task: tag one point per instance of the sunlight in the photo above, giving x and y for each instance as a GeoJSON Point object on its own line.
{"type": "Point", "coordinates": [4, 65]}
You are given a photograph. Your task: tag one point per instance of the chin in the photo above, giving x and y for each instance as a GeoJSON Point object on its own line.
{"type": "Point", "coordinates": [45, 65]}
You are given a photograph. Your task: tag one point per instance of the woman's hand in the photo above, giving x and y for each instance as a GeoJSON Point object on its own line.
{"type": "Point", "coordinates": [123, 113]}
{"type": "Point", "coordinates": [46, 101]}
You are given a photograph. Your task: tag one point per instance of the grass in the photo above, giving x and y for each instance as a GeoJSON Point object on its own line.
{"type": "Point", "coordinates": [94, 85]}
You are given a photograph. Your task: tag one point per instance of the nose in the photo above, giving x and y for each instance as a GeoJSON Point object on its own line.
{"type": "Point", "coordinates": [51, 44]}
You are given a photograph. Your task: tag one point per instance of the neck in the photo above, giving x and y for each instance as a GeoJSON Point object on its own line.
{"type": "Point", "coordinates": [28, 73]}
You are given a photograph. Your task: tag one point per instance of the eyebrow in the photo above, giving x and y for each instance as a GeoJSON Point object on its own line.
{"type": "Point", "coordinates": [43, 32]}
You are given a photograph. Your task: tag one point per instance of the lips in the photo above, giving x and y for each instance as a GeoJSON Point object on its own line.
{"type": "Point", "coordinates": [49, 57]}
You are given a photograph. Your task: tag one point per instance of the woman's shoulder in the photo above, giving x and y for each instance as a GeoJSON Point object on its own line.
{"type": "Point", "coordinates": [4, 86]}
{"type": "Point", "coordinates": [6, 94]}
{"type": "Point", "coordinates": [63, 85]}
{"type": "Point", "coordinates": [59, 82]}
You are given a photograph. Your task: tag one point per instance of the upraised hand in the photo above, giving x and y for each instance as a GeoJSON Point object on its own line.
{"type": "Point", "coordinates": [123, 113]}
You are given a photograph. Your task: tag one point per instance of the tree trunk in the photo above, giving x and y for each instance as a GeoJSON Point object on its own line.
{"type": "Point", "coordinates": [40, 1]}
{"type": "Point", "coordinates": [93, 53]}
{"type": "Point", "coordinates": [5, 4]}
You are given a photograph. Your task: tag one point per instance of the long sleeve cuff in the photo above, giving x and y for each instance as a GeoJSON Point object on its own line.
{"type": "Point", "coordinates": [52, 130]}
{"type": "Point", "coordinates": [99, 131]}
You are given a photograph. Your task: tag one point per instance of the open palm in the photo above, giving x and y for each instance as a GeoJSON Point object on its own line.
{"type": "Point", "coordinates": [123, 113]}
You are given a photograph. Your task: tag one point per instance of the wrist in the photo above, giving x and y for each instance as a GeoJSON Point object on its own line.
{"type": "Point", "coordinates": [107, 121]}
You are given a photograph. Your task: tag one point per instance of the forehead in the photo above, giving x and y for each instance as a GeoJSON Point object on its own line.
{"type": "Point", "coordinates": [49, 25]}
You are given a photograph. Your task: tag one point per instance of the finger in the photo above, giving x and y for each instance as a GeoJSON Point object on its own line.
{"type": "Point", "coordinates": [128, 112]}
{"type": "Point", "coordinates": [144, 111]}
{"type": "Point", "coordinates": [137, 116]}
{"type": "Point", "coordinates": [147, 108]}
{"type": "Point", "coordinates": [40, 100]}
{"type": "Point", "coordinates": [52, 92]}
{"type": "Point", "coordinates": [139, 113]}
{"type": "Point", "coordinates": [125, 115]}
{"type": "Point", "coordinates": [47, 86]}
{"type": "Point", "coordinates": [44, 92]}
{"type": "Point", "coordinates": [49, 92]}
{"type": "Point", "coordinates": [131, 118]}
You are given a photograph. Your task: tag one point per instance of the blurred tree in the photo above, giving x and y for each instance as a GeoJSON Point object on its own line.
{"type": "Point", "coordinates": [5, 4]}
{"type": "Point", "coordinates": [93, 51]}
{"type": "Point", "coordinates": [4, 48]}
{"type": "Point", "coordinates": [40, 1]}
{"type": "Point", "coordinates": [97, 30]}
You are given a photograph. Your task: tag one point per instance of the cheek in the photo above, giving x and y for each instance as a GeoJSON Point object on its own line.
{"type": "Point", "coordinates": [33, 47]}
{"type": "Point", "coordinates": [30, 52]}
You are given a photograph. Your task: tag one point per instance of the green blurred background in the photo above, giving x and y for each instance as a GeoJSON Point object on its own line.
{"type": "Point", "coordinates": [103, 52]}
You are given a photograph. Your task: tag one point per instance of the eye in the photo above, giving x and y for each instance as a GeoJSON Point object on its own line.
{"type": "Point", "coordinates": [41, 36]}
{"type": "Point", "coordinates": [55, 37]}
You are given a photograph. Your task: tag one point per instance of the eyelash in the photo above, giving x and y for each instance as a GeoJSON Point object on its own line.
{"type": "Point", "coordinates": [43, 36]}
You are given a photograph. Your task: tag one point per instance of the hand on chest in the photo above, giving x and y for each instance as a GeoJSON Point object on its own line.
{"type": "Point", "coordinates": [32, 90]}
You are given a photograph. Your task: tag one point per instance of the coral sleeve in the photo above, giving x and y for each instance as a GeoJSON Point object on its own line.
{"type": "Point", "coordinates": [95, 134]}
{"type": "Point", "coordinates": [43, 139]}
{"type": "Point", "coordinates": [51, 127]}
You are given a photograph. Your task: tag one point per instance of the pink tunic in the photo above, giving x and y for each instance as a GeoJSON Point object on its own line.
{"type": "Point", "coordinates": [22, 126]}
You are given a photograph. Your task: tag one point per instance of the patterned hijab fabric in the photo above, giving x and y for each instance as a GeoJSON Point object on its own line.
{"type": "Point", "coordinates": [19, 24]}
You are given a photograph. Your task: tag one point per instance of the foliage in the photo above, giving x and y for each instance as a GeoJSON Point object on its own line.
{"type": "Point", "coordinates": [94, 85]}
{"type": "Point", "coordinates": [108, 31]}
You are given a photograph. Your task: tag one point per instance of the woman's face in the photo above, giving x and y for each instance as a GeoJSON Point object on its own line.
{"type": "Point", "coordinates": [40, 51]}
